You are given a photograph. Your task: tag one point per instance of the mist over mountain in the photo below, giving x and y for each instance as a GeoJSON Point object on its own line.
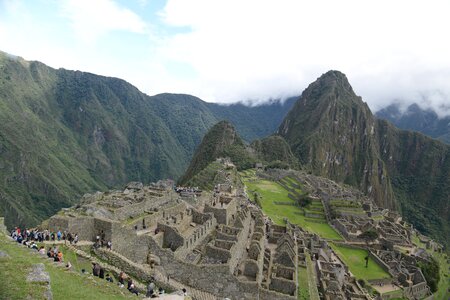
{"type": "Point", "coordinates": [418, 119]}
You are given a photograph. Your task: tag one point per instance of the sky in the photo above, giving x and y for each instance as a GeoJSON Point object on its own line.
{"type": "Point", "coordinates": [246, 50]}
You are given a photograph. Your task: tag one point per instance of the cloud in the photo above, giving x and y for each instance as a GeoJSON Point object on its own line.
{"type": "Point", "coordinates": [261, 49]}
{"type": "Point", "coordinates": [227, 51]}
{"type": "Point", "coordinates": [91, 19]}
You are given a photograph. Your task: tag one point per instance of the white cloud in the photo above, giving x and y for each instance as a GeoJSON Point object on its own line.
{"type": "Point", "coordinates": [258, 49]}
{"type": "Point", "coordinates": [239, 50]}
{"type": "Point", "coordinates": [91, 19]}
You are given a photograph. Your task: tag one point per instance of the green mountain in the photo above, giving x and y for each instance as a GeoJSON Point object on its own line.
{"type": "Point", "coordinates": [415, 118]}
{"type": "Point", "coordinates": [221, 140]}
{"type": "Point", "coordinates": [64, 133]}
{"type": "Point", "coordinates": [275, 152]}
{"type": "Point", "coordinates": [334, 134]}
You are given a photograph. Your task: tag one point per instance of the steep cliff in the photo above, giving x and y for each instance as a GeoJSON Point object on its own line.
{"type": "Point", "coordinates": [334, 134]}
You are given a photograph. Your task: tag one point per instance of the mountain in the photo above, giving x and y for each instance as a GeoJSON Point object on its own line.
{"type": "Point", "coordinates": [64, 133]}
{"type": "Point", "coordinates": [415, 118]}
{"type": "Point", "coordinates": [334, 134]}
{"type": "Point", "coordinates": [223, 141]}
{"type": "Point", "coordinates": [254, 122]}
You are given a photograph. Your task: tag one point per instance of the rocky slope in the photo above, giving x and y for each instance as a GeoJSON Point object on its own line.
{"type": "Point", "coordinates": [64, 133]}
{"type": "Point", "coordinates": [334, 134]}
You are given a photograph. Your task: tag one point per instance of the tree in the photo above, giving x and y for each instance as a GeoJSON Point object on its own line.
{"type": "Point", "coordinates": [430, 270]}
{"type": "Point", "coordinates": [368, 236]}
{"type": "Point", "coordinates": [304, 200]}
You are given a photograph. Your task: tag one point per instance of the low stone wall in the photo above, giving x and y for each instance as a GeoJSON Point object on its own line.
{"type": "Point", "coordinates": [383, 265]}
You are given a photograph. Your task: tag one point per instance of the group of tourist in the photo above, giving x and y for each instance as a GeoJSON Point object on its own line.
{"type": "Point", "coordinates": [35, 235]}
{"type": "Point", "coordinates": [30, 238]}
{"type": "Point", "coordinates": [100, 241]}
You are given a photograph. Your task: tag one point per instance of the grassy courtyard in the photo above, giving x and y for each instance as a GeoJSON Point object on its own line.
{"type": "Point", "coordinates": [354, 259]}
{"type": "Point", "coordinates": [277, 205]}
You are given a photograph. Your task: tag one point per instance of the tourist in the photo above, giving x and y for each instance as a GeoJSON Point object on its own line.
{"type": "Point", "coordinates": [95, 269]}
{"type": "Point", "coordinates": [150, 288]}
{"type": "Point", "coordinates": [58, 235]}
{"type": "Point", "coordinates": [50, 252]}
{"type": "Point", "coordinates": [59, 256]}
{"type": "Point", "coordinates": [75, 239]}
{"type": "Point", "coordinates": [122, 278]}
{"type": "Point", "coordinates": [101, 273]}
{"type": "Point", "coordinates": [133, 289]}
{"type": "Point", "coordinates": [33, 246]}
{"type": "Point", "coordinates": [109, 245]}
{"type": "Point", "coordinates": [161, 291]}
{"type": "Point", "coordinates": [42, 250]}
{"type": "Point", "coordinates": [109, 278]}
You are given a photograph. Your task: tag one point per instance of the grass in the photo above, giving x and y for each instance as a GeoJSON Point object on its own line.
{"type": "Point", "coordinates": [64, 284]}
{"type": "Point", "coordinates": [270, 192]}
{"type": "Point", "coordinates": [354, 259]}
{"type": "Point", "coordinates": [303, 290]}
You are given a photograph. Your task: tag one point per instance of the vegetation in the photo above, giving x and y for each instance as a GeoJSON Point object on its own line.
{"type": "Point", "coordinates": [275, 152]}
{"type": "Point", "coordinates": [276, 203]}
{"type": "Point", "coordinates": [65, 133]}
{"type": "Point", "coordinates": [333, 134]}
{"type": "Point", "coordinates": [430, 270]}
{"type": "Point", "coordinates": [355, 260]}
{"type": "Point", "coordinates": [303, 290]}
{"type": "Point", "coordinates": [64, 284]}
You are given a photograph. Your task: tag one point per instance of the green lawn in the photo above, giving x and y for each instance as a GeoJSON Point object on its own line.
{"type": "Point", "coordinates": [64, 284]}
{"type": "Point", "coordinates": [303, 290]}
{"type": "Point", "coordinates": [271, 192]}
{"type": "Point", "coordinates": [354, 259]}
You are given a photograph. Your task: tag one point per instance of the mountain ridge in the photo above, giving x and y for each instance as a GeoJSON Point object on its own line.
{"type": "Point", "coordinates": [417, 119]}
{"type": "Point", "coordinates": [334, 134]}
{"type": "Point", "coordinates": [64, 133]}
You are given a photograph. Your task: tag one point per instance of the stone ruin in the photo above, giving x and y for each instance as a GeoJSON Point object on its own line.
{"type": "Point", "coordinates": [220, 243]}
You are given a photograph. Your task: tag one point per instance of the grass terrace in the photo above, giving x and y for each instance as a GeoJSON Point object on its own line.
{"type": "Point", "coordinates": [354, 259]}
{"type": "Point", "coordinates": [275, 202]}
{"type": "Point", "coordinates": [303, 290]}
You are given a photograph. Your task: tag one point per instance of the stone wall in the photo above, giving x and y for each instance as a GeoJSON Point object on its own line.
{"type": "Point", "coordinates": [283, 285]}
{"type": "Point", "coordinates": [128, 244]}
{"type": "Point", "coordinates": [172, 238]}
{"type": "Point", "coordinates": [383, 265]}
{"type": "Point", "coordinates": [220, 254]}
